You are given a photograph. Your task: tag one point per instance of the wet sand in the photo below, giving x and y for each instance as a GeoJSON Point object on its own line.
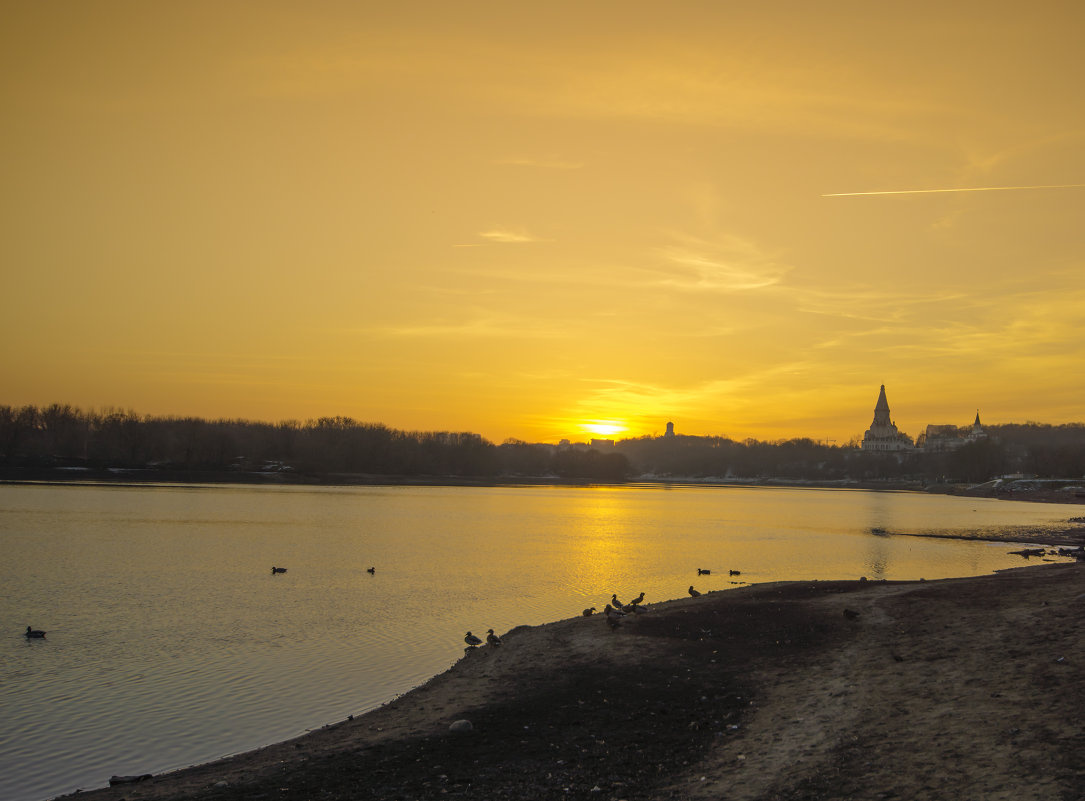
{"type": "Point", "coordinates": [962, 688]}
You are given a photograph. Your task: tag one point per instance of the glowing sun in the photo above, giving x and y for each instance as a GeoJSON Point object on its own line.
{"type": "Point", "coordinates": [604, 428]}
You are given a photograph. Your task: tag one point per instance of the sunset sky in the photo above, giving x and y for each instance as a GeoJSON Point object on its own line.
{"type": "Point", "coordinates": [525, 219]}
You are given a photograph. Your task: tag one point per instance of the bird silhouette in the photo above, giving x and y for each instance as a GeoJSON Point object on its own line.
{"type": "Point", "coordinates": [734, 572]}
{"type": "Point", "coordinates": [278, 569]}
{"type": "Point", "coordinates": [34, 634]}
{"type": "Point", "coordinates": [471, 640]}
{"type": "Point", "coordinates": [588, 612]}
{"type": "Point", "coordinates": [704, 571]}
{"type": "Point", "coordinates": [693, 593]}
{"type": "Point", "coordinates": [371, 570]}
{"type": "Point", "coordinates": [492, 638]}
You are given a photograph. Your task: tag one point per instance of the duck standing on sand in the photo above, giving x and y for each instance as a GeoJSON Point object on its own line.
{"type": "Point", "coordinates": [693, 593]}
{"type": "Point", "coordinates": [472, 641]}
{"type": "Point", "coordinates": [34, 634]}
{"type": "Point", "coordinates": [493, 639]}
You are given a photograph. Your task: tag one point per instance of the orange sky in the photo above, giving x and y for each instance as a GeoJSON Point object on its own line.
{"type": "Point", "coordinates": [519, 218]}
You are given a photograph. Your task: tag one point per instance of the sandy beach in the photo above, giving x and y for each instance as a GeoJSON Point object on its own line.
{"type": "Point", "coordinates": [961, 688]}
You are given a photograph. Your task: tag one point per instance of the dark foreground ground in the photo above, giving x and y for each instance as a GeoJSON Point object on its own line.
{"type": "Point", "coordinates": [958, 689]}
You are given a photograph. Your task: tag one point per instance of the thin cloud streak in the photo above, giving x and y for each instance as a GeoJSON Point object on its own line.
{"type": "Point", "coordinates": [546, 164]}
{"type": "Point", "coordinates": [483, 327]}
{"type": "Point", "coordinates": [958, 189]}
{"type": "Point", "coordinates": [727, 263]}
{"type": "Point", "coordinates": [510, 236]}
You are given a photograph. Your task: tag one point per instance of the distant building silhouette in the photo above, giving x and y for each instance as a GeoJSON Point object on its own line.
{"type": "Point", "coordinates": [602, 443]}
{"type": "Point", "coordinates": [883, 434]}
{"type": "Point", "coordinates": [670, 430]}
{"type": "Point", "coordinates": [941, 438]}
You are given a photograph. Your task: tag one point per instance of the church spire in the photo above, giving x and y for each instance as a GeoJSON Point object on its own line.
{"type": "Point", "coordinates": [882, 434]}
{"type": "Point", "coordinates": [881, 409]}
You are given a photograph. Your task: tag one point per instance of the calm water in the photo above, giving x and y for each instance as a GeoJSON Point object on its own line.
{"type": "Point", "coordinates": [170, 643]}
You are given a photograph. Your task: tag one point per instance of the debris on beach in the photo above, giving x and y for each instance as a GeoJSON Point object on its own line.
{"type": "Point", "coordinates": [1027, 552]}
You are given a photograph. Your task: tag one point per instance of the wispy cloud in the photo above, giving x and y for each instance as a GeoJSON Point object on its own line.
{"type": "Point", "coordinates": [510, 236]}
{"type": "Point", "coordinates": [633, 398]}
{"type": "Point", "coordinates": [545, 163]}
{"type": "Point", "coordinates": [482, 326]}
{"type": "Point", "coordinates": [726, 263]}
{"type": "Point", "coordinates": [875, 305]}
{"type": "Point", "coordinates": [503, 235]}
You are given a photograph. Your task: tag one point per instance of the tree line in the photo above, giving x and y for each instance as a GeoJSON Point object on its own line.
{"type": "Point", "coordinates": [61, 436]}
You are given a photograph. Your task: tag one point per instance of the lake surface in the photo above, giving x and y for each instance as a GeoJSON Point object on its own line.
{"type": "Point", "coordinates": [170, 642]}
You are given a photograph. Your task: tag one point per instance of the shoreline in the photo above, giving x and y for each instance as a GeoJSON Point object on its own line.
{"type": "Point", "coordinates": [959, 687]}
{"type": "Point", "coordinates": [144, 476]}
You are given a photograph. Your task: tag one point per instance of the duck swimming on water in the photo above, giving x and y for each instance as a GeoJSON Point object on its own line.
{"type": "Point", "coordinates": [34, 634]}
{"type": "Point", "coordinates": [278, 569]}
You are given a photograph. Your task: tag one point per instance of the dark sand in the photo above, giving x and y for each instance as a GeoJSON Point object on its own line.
{"type": "Point", "coordinates": [957, 689]}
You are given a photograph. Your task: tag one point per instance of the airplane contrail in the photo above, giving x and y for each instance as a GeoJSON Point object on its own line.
{"type": "Point", "coordinates": [961, 189]}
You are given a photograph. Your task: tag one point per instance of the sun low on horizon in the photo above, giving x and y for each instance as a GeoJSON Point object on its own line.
{"type": "Point", "coordinates": [546, 221]}
{"type": "Point", "coordinates": [605, 429]}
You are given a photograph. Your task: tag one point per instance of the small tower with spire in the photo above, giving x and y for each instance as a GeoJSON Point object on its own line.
{"type": "Point", "coordinates": [977, 431]}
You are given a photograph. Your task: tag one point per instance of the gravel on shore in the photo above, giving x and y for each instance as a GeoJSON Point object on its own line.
{"type": "Point", "coordinates": [958, 689]}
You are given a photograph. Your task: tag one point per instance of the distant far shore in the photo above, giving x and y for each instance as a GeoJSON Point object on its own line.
{"type": "Point", "coordinates": [82, 475]}
{"type": "Point", "coordinates": [1038, 491]}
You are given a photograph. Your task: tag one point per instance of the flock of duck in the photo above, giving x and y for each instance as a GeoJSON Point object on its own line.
{"type": "Point", "coordinates": [370, 570]}
{"type": "Point", "coordinates": [613, 611]}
